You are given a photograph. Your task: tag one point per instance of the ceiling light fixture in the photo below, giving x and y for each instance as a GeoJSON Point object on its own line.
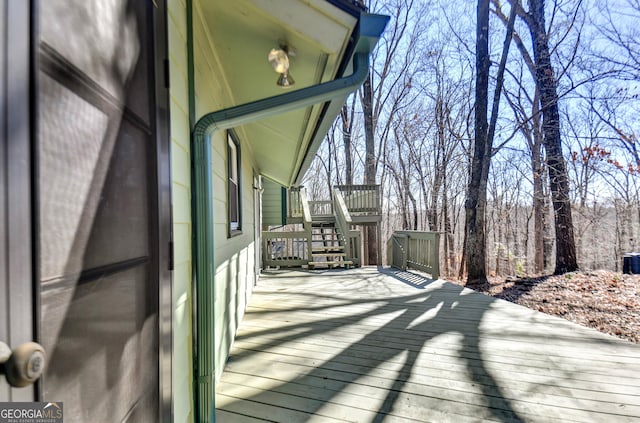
{"type": "Point", "coordinates": [279, 59]}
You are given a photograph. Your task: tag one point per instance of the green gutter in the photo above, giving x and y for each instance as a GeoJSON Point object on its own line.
{"type": "Point", "coordinates": [264, 108]}
{"type": "Point", "coordinates": [370, 29]}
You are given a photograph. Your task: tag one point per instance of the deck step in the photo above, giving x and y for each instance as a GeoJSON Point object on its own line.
{"type": "Point", "coordinates": [338, 254]}
{"type": "Point", "coordinates": [328, 248]}
{"type": "Point", "coordinates": [347, 263]}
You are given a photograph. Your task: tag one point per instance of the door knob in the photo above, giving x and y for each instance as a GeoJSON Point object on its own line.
{"type": "Point", "coordinates": [24, 365]}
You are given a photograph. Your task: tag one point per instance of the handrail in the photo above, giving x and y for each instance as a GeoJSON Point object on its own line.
{"type": "Point", "coordinates": [416, 249]}
{"type": "Point", "coordinates": [362, 198]}
{"type": "Point", "coordinates": [306, 212]}
{"type": "Point", "coordinates": [306, 219]}
{"type": "Point", "coordinates": [351, 238]}
{"type": "Point", "coordinates": [341, 208]}
{"type": "Point", "coordinates": [359, 200]}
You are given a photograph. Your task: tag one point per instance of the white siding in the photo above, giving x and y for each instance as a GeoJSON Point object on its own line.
{"type": "Point", "coordinates": [181, 187]}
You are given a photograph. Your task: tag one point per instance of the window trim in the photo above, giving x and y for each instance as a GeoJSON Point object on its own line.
{"type": "Point", "coordinates": [233, 149]}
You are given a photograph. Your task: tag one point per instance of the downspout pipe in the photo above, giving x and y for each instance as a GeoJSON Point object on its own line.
{"type": "Point", "coordinates": [369, 31]}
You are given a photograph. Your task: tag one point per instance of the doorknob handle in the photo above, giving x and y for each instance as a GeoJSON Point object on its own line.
{"type": "Point", "coordinates": [24, 365]}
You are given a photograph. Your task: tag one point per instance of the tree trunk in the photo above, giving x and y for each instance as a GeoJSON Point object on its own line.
{"type": "Point", "coordinates": [548, 237]}
{"type": "Point", "coordinates": [370, 153]}
{"type": "Point", "coordinates": [566, 260]}
{"type": "Point", "coordinates": [370, 163]}
{"type": "Point", "coordinates": [414, 210]}
{"type": "Point", "coordinates": [475, 203]}
{"type": "Point", "coordinates": [346, 138]}
{"type": "Point", "coordinates": [439, 164]}
{"type": "Point", "coordinates": [463, 262]}
{"type": "Point", "coordinates": [538, 198]}
{"type": "Point", "coordinates": [450, 253]}
{"type": "Point", "coordinates": [497, 241]}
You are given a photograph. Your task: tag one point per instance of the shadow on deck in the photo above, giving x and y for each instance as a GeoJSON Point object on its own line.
{"type": "Point", "coordinates": [370, 346]}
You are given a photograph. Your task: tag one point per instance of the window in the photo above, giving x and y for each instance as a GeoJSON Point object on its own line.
{"type": "Point", "coordinates": [233, 191]}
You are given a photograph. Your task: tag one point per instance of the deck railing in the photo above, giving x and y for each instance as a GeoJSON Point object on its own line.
{"type": "Point", "coordinates": [306, 210]}
{"type": "Point", "coordinates": [361, 198]}
{"type": "Point", "coordinates": [321, 208]}
{"type": "Point", "coordinates": [307, 221]}
{"type": "Point", "coordinates": [287, 249]}
{"type": "Point", "coordinates": [350, 237]}
{"type": "Point", "coordinates": [416, 250]}
{"type": "Point", "coordinates": [294, 204]}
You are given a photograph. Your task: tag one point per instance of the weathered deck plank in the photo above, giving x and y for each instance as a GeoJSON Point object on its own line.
{"type": "Point", "coordinates": [368, 346]}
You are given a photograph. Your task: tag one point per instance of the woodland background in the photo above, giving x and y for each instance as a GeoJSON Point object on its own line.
{"type": "Point", "coordinates": [413, 128]}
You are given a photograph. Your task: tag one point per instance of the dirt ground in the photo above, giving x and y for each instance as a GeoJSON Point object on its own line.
{"type": "Point", "coordinates": [604, 300]}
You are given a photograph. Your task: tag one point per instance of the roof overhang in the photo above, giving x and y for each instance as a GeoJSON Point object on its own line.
{"type": "Point", "coordinates": [283, 129]}
{"type": "Point", "coordinates": [333, 43]}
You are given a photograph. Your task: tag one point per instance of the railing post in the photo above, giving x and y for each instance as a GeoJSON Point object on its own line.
{"type": "Point", "coordinates": [265, 243]}
{"type": "Point", "coordinates": [379, 240]}
{"type": "Point", "coordinates": [351, 238]}
{"type": "Point", "coordinates": [306, 213]}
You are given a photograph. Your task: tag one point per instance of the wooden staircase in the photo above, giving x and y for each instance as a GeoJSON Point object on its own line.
{"type": "Point", "coordinates": [327, 237]}
{"type": "Point", "coordinates": [327, 247]}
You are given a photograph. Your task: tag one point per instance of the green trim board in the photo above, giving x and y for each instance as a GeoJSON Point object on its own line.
{"type": "Point", "coordinates": [283, 193]}
{"type": "Point", "coordinates": [200, 397]}
{"type": "Point", "coordinates": [202, 183]}
{"type": "Point", "coordinates": [234, 187]}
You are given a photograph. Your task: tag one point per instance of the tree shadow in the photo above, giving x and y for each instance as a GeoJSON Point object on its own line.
{"type": "Point", "coordinates": [408, 278]}
{"type": "Point", "coordinates": [521, 287]}
{"type": "Point", "coordinates": [438, 309]}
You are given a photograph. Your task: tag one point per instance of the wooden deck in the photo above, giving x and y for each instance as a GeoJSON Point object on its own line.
{"type": "Point", "coordinates": [366, 346]}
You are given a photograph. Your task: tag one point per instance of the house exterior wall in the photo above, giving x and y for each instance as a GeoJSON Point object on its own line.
{"type": "Point", "coordinates": [182, 228]}
{"type": "Point", "coordinates": [234, 257]}
{"type": "Point", "coordinates": [272, 204]}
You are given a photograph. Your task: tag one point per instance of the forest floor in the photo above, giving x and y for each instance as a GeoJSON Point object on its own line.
{"type": "Point", "coordinates": [604, 300]}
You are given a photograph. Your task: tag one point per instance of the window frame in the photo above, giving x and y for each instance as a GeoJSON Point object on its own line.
{"type": "Point", "coordinates": [234, 170]}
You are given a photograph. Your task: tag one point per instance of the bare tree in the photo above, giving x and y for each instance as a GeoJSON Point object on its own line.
{"type": "Point", "coordinates": [347, 118]}
{"type": "Point", "coordinates": [385, 91]}
{"type": "Point", "coordinates": [526, 110]}
{"type": "Point", "coordinates": [411, 129]}
{"type": "Point", "coordinates": [475, 205]}
{"type": "Point", "coordinates": [566, 259]}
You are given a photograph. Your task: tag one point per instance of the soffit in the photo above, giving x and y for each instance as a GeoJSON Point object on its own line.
{"type": "Point", "coordinates": [243, 32]}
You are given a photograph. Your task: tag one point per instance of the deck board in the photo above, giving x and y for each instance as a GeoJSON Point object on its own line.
{"type": "Point", "coordinates": [367, 346]}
